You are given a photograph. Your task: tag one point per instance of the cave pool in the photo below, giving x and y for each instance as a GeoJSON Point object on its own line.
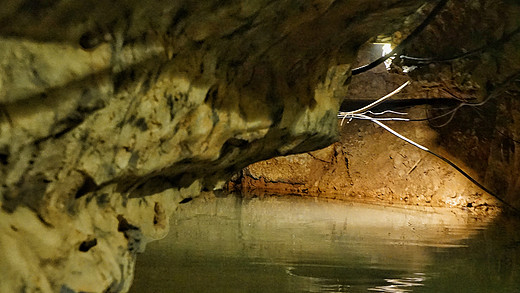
{"type": "Point", "coordinates": [228, 243]}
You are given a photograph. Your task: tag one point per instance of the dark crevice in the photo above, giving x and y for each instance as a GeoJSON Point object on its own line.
{"type": "Point", "coordinates": [92, 39]}
{"type": "Point", "coordinates": [185, 200]}
{"type": "Point", "coordinates": [124, 226]}
{"type": "Point", "coordinates": [63, 127]}
{"type": "Point", "coordinates": [142, 187]}
{"type": "Point", "coordinates": [243, 29]}
{"type": "Point", "coordinates": [131, 233]}
{"type": "Point", "coordinates": [88, 186]}
{"type": "Point", "coordinates": [141, 124]}
{"type": "Point", "coordinates": [87, 245]}
{"type": "Point", "coordinates": [44, 221]}
{"type": "Point", "coordinates": [181, 14]}
{"type": "Point", "coordinates": [159, 216]}
{"type": "Point", "coordinates": [4, 159]}
{"type": "Point", "coordinates": [36, 8]}
{"type": "Point", "coordinates": [169, 102]}
{"type": "Point", "coordinates": [211, 96]}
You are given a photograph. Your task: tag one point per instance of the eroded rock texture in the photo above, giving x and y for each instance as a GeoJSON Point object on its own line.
{"type": "Point", "coordinates": [114, 112]}
{"type": "Point", "coordinates": [465, 68]}
{"type": "Point", "coordinates": [371, 165]}
{"type": "Point", "coordinates": [486, 34]}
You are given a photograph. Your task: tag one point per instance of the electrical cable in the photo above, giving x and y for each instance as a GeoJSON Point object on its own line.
{"type": "Point", "coordinates": [362, 114]}
{"type": "Point", "coordinates": [440, 5]}
{"type": "Point", "coordinates": [426, 60]}
{"type": "Point", "coordinates": [449, 163]}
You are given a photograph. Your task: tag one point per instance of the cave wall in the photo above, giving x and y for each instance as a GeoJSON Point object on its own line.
{"type": "Point", "coordinates": [113, 113]}
{"type": "Point", "coordinates": [486, 34]}
{"type": "Point", "coordinates": [370, 165]}
{"type": "Point", "coordinates": [470, 53]}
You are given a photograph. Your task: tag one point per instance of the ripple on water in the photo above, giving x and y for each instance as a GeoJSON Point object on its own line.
{"type": "Point", "coordinates": [280, 244]}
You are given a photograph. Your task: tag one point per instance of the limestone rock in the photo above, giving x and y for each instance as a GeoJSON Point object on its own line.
{"type": "Point", "coordinates": [486, 136]}
{"type": "Point", "coordinates": [112, 112]}
{"type": "Point", "coordinates": [371, 165]}
{"type": "Point", "coordinates": [468, 54]}
{"type": "Point", "coordinates": [313, 173]}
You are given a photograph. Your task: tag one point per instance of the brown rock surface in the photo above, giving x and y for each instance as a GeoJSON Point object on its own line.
{"type": "Point", "coordinates": [371, 165]}
{"type": "Point", "coordinates": [111, 113]}
{"type": "Point", "coordinates": [470, 54]}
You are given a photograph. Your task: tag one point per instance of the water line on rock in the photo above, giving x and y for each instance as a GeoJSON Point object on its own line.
{"type": "Point", "coordinates": [474, 181]}
{"type": "Point", "coordinates": [419, 146]}
{"type": "Point", "coordinates": [362, 114]}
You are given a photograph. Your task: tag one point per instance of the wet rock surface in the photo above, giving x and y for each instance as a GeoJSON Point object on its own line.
{"type": "Point", "coordinates": [369, 164]}
{"type": "Point", "coordinates": [465, 73]}
{"type": "Point", "coordinates": [112, 114]}
{"type": "Point", "coordinates": [483, 135]}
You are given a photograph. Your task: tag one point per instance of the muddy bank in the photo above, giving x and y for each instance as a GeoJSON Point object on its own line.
{"type": "Point", "coordinates": [371, 165]}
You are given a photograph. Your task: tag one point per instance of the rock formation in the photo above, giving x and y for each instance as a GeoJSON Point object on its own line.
{"type": "Point", "coordinates": [371, 165]}
{"type": "Point", "coordinates": [112, 113]}
{"type": "Point", "coordinates": [487, 35]}
{"type": "Point", "coordinates": [469, 57]}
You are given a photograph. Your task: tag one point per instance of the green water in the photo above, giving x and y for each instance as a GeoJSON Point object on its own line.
{"type": "Point", "coordinates": [276, 244]}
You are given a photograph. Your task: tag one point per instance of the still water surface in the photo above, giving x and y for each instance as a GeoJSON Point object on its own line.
{"type": "Point", "coordinates": [279, 244]}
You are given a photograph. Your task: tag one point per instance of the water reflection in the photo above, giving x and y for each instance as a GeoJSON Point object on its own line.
{"type": "Point", "coordinates": [281, 244]}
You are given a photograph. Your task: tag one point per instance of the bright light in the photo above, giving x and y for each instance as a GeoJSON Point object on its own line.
{"type": "Point", "coordinates": [387, 48]}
